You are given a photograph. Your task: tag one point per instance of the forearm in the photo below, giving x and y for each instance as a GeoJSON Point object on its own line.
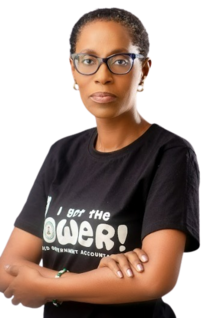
{"type": "Point", "coordinates": [101, 286]}
{"type": "Point", "coordinates": [165, 249]}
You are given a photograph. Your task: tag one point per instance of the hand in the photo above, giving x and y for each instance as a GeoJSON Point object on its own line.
{"type": "Point", "coordinates": [25, 287]}
{"type": "Point", "coordinates": [125, 263]}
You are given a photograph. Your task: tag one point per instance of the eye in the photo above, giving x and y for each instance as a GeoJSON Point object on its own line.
{"type": "Point", "coordinates": [121, 62]}
{"type": "Point", "coordinates": [87, 60]}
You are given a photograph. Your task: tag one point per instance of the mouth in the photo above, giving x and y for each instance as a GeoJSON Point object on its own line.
{"type": "Point", "coordinates": [103, 97]}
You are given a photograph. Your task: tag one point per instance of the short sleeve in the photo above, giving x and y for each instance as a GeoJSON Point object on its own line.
{"type": "Point", "coordinates": [173, 199]}
{"type": "Point", "coordinates": [31, 218]}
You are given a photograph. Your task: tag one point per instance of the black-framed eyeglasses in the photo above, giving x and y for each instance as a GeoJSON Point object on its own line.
{"type": "Point", "coordinates": [120, 63]}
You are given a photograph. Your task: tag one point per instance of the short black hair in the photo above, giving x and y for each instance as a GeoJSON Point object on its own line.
{"type": "Point", "coordinates": [137, 31]}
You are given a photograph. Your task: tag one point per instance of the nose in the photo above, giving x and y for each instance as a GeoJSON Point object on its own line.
{"type": "Point", "coordinates": [103, 75]}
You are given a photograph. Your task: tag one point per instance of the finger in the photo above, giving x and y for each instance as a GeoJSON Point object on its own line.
{"type": "Point", "coordinates": [123, 263]}
{"type": "Point", "coordinates": [15, 301]}
{"type": "Point", "coordinates": [141, 254]}
{"type": "Point", "coordinates": [136, 258]}
{"type": "Point", "coordinates": [134, 261]}
{"type": "Point", "coordinates": [112, 265]}
{"type": "Point", "coordinates": [8, 293]}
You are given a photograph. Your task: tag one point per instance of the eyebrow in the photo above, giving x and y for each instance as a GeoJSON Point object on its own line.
{"type": "Point", "coordinates": [121, 50]}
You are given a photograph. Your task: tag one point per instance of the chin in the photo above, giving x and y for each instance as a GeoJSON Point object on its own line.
{"type": "Point", "coordinates": [104, 111]}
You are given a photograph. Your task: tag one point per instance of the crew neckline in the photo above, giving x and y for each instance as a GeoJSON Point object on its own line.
{"type": "Point", "coordinates": [121, 152]}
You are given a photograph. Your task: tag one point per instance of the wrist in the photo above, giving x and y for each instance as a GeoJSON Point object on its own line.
{"type": "Point", "coordinates": [54, 288]}
{"type": "Point", "coordinates": [58, 275]}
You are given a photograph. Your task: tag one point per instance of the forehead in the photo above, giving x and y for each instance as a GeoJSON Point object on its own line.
{"type": "Point", "coordinates": [104, 37]}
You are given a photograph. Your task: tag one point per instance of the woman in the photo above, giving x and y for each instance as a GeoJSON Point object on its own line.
{"type": "Point", "coordinates": [114, 207]}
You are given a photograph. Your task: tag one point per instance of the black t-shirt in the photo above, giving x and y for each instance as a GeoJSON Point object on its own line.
{"type": "Point", "coordinates": [87, 205]}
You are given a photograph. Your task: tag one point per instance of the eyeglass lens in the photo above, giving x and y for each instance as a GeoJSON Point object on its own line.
{"type": "Point", "coordinates": [118, 64]}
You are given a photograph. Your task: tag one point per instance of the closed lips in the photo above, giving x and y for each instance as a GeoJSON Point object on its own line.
{"type": "Point", "coordinates": [103, 97]}
{"type": "Point", "coordinates": [102, 94]}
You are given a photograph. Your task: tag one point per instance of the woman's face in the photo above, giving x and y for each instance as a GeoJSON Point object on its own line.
{"type": "Point", "coordinates": [104, 38]}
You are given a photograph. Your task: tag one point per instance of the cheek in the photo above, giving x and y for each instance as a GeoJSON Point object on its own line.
{"type": "Point", "coordinates": [131, 84]}
{"type": "Point", "coordinates": [84, 85]}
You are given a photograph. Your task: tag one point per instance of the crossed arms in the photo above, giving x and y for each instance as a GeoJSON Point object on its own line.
{"type": "Point", "coordinates": [26, 282]}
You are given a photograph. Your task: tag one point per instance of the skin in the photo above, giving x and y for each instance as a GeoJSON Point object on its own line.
{"type": "Point", "coordinates": [119, 118]}
{"type": "Point", "coordinates": [142, 279]}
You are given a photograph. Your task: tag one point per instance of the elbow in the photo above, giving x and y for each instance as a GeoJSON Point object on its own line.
{"type": "Point", "coordinates": [162, 289]}
{"type": "Point", "coordinates": [157, 284]}
{"type": "Point", "coordinates": [161, 286]}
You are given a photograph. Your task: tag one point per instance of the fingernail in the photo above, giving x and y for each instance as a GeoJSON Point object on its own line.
{"type": "Point", "coordinates": [144, 258]}
{"type": "Point", "coordinates": [129, 273]}
{"type": "Point", "coordinates": [140, 267]}
{"type": "Point", "coordinates": [119, 273]}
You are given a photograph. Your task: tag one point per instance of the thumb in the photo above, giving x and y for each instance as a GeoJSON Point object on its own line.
{"type": "Point", "coordinates": [12, 269]}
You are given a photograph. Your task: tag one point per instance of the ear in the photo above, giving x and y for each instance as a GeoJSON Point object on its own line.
{"type": "Point", "coordinates": [146, 67]}
{"type": "Point", "coordinates": [73, 70]}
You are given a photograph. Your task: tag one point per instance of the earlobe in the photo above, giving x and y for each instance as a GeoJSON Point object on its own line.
{"type": "Point", "coordinates": [145, 70]}
{"type": "Point", "coordinates": [149, 61]}
{"type": "Point", "coordinates": [146, 67]}
{"type": "Point", "coordinates": [75, 86]}
{"type": "Point", "coordinates": [72, 66]}
{"type": "Point", "coordinates": [71, 61]}
{"type": "Point", "coordinates": [140, 86]}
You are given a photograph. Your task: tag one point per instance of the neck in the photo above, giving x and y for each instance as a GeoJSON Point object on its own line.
{"type": "Point", "coordinates": [117, 133]}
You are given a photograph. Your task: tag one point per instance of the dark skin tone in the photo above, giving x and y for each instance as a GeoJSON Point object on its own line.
{"type": "Point", "coordinates": [118, 119]}
{"type": "Point", "coordinates": [118, 124]}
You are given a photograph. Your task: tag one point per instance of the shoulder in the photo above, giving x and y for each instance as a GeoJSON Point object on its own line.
{"type": "Point", "coordinates": [73, 142]}
{"type": "Point", "coordinates": [172, 149]}
{"type": "Point", "coordinates": [174, 152]}
{"type": "Point", "coordinates": [165, 139]}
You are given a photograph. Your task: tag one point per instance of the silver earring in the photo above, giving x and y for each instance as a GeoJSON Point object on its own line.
{"type": "Point", "coordinates": [141, 87]}
{"type": "Point", "coordinates": [75, 86]}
